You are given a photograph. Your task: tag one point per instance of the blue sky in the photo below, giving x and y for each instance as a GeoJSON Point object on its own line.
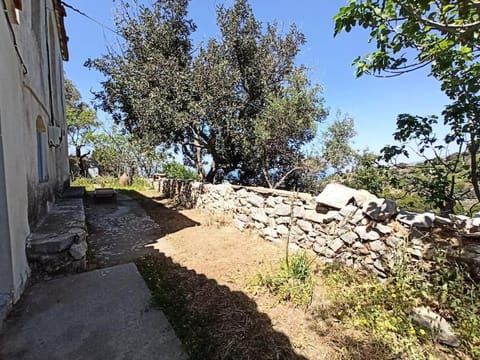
{"type": "Point", "coordinates": [374, 103]}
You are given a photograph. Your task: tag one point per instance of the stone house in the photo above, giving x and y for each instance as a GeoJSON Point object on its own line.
{"type": "Point", "coordinates": [33, 146]}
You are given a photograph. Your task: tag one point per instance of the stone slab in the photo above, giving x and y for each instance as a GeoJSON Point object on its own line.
{"type": "Point", "coordinates": [103, 314]}
{"type": "Point", "coordinates": [105, 193]}
{"type": "Point", "coordinates": [74, 192]}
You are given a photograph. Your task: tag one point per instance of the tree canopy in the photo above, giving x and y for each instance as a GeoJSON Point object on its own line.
{"type": "Point", "coordinates": [215, 102]}
{"type": "Point", "coordinates": [81, 121]}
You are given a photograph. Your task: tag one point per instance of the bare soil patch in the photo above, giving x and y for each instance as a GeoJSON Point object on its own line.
{"type": "Point", "coordinates": [200, 278]}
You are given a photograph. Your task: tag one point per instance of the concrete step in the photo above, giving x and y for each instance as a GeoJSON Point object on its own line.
{"type": "Point", "coordinates": [102, 314]}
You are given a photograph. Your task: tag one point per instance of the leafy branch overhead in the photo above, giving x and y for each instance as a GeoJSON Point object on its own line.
{"type": "Point", "coordinates": [444, 37]}
{"type": "Point", "coordinates": [438, 32]}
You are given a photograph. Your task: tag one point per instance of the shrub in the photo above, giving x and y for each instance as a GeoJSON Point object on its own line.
{"type": "Point", "coordinates": [292, 281]}
{"type": "Point", "coordinates": [384, 309]}
{"type": "Point", "coordinates": [179, 171]}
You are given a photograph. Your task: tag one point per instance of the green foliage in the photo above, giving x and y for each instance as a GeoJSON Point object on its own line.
{"type": "Point", "coordinates": [179, 171]}
{"type": "Point", "coordinates": [436, 178]}
{"type": "Point", "coordinates": [207, 103]}
{"type": "Point", "coordinates": [137, 183]}
{"type": "Point", "coordinates": [384, 309]}
{"type": "Point", "coordinates": [117, 151]}
{"type": "Point", "coordinates": [444, 36]}
{"type": "Point", "coordinates": [81, 119]}
{"type": "Point", "coordinates": [443, 33]}
{"type": "Point", "coordinates": [292, 282]}
{"type": "Point", "coordinates": [288, 122]}
{"type": "Point", "coordinates": [336, 140]}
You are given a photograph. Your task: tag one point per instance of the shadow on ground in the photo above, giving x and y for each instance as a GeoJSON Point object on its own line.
{"type": "Point", "coordinates": [120, 230]}
{"type": "Point", "coordinates": [212, 321]}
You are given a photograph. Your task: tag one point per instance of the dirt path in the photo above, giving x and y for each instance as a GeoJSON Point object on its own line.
{"type": "Point", "coordinates": [121, 231]}
{"type": "Point", "coordinates": [208, 267]}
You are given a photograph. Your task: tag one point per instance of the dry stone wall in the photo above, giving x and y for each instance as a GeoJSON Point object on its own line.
{"type": "Point", "coordinates": [341, 224]}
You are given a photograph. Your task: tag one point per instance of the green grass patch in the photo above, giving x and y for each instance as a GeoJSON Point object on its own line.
{"type": "Point", "coordinates": [292, 281]}
{"type": "Point", "coordinates": [383, 310]}
{"type": "Point", "coordinates": [138, 183]}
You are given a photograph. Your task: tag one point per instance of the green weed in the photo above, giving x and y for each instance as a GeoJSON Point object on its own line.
{"type": "Point", "coordinates": [111, 182]}
{"type": "Point", "coordinates": [293, 282]}
{"type": "Point", "coordinates": [383, 310]}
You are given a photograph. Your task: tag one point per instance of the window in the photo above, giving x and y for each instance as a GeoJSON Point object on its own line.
{"type": "Point", "coordinates": [41, 151]}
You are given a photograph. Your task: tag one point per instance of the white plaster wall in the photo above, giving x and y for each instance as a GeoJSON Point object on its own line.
{"type": "Point", "coordinates": [24, 97]}
{"type": "Point", "coordinates": [14, 177]}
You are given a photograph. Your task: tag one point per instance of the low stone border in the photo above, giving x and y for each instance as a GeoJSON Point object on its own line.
{"type": "Point", "coordinates": [341, 224]}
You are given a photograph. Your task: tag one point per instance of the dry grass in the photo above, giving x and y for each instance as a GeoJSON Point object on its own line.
{"type": "Point", "coordinates": [200, 276]}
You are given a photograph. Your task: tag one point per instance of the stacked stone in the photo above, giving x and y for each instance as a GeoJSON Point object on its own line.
{"type": "Point", "coordinates": [59, 243]}
{"type": "Point", "coordinates": [341, 224]}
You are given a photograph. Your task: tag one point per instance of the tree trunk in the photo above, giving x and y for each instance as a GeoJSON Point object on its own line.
{"type": "Point", "coordinates": [199, 160]}
{"type": "Point", "coordinates": [211, 174]}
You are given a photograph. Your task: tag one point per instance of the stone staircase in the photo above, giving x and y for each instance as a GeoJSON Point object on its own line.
{"type": "Point", "coordinates": [59, 242]}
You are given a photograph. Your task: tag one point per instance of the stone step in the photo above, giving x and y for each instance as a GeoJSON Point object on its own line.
{"type": "Point", "coordinates": [59, 242]}
{"type": "Point", "coordinates": [74, 192]}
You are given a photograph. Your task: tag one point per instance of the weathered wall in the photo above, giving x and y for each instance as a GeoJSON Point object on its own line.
{"type": "Point", "coordinates": [24, 98]}
{"type": "Point", "coordinates": [341, 224]}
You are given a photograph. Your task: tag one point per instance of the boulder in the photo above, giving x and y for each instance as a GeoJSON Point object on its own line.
{"type": "Point", "coordinates": [240, 225]}
{"type": "Point", "coordinates": [282, 210]}
{"type": "Point", "coordinates": [470, 256]}
{"type": "Point", "coordinates": [394, 241]}
{"type": "Point", "coordinates": [437, 325]}
{"type": "Point", "coordinates": [367, 234]}
{"type": "Point", "coordinates": [223, 189]}
{"type": "Point", "coordinates": [349, 237]}
{"type": "Point", "coordinates": [459, 220]}
{"type": "Point", "coordinates": [380, 209]}
{"type": "Point", "coordinates": [78, 251]}
{"type": "Point", "coordinates": [332, 216]}
{"type": "Point", "coordinates": [335, 196]}
{"type": "Point", "coordinates": [377, 246]}
{"type": "Point", "coordinates": [271, 201]}
{"type": "Point", "coordinates": [314, 216]}
{"type": "Point", "coordinates": [242, 217]}
{"type": "Point", "coordinates": [348, 211]}
{"type": "Point", "coordinates": [384, 229]}
{"type": "Point", "coordinates": [443, 221]}
{"type": "Point", "coordinates": [378, 265]}
{"type": "Point", "coordinates": [283, 220]}
{"type": "Point", "coordinates": [255, 200]}
{"type": "Point", "coordinates": [259, 215]}
{"type": "Point", "coordinates": [282, 229]}
{"type": "Point", "coordinates": [362, 196]}
{"type": "Point", "coordinates": [270, 232]}
{"type": "Point", "coordinates": [356, 218]}
{"type": "Point", "coordinates": [336, 244]}
{"type": "Point", "coordinates": [305, 225]}
{"type": "Point", "coordinates": [298, 212]}
{"type": "Point", "coordinates": [420, 221]}
{"type": "Point", "coordinates": [242, 193]}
